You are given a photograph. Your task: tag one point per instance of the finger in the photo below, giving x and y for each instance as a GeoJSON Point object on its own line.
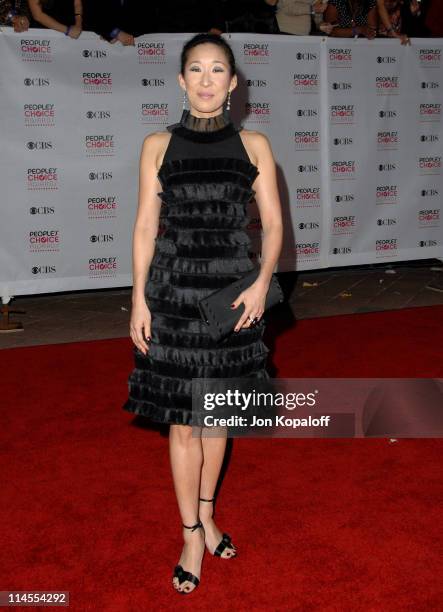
{"type": "Point", "coordinates": [136, 341]}
{"type": "Point", "coordinates": [146, 334]}
{"type": "Point", "coordinates": [140, 341]}
{"type": "Point", "coordinates": [251, 320]}
{"type": "Point", "coordinates": [241, 321]}
{"type": "Point", "coordinates": [237, 301]}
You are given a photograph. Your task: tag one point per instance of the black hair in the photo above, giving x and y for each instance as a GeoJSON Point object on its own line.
{"type": "Point", "coordinates": [205, 37]}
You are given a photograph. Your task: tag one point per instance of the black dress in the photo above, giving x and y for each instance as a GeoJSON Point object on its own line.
{"type": "Point", "coordinates": [207, 178]}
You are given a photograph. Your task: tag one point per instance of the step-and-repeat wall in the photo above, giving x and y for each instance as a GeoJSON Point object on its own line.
{"type": "Point", "coordinates": [355, 127]}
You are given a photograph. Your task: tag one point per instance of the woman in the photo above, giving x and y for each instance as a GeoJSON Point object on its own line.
{"type": "Point", "coordinates": [15, 13]}
{"type": "Point", "coordinates": [352, 18]}
{"type": "Point", "coordinates": [255, 16]}
{"type": "Point", "coordinates": [206, 168]}
{"type": "Point", "coordinates": [61, 15]}
{"type": "Point", "coordinates": [391, 23]}
{"type": "Point", "coordinates": [295, 16]}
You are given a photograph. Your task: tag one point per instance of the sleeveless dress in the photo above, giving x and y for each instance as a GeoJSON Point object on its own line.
{"type": "Point", "coordinates": [206, 177]}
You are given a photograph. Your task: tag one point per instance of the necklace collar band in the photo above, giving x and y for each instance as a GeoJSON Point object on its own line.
{"type": "Point", "coordinates": [205, 124]}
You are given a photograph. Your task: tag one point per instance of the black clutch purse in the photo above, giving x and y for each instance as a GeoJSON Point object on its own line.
{"type": "Point", "coordinates": [216, 308]}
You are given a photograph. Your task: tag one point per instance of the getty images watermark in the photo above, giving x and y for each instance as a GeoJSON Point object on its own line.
{"type": "Point", "coordinates": [318, 408]}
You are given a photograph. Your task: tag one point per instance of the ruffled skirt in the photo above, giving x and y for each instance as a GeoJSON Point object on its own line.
{"type": "Point", "coordinates": [204, 247]}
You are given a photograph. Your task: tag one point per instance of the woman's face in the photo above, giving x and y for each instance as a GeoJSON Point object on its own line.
{"type": "Point", "coordinates": [207, 79]}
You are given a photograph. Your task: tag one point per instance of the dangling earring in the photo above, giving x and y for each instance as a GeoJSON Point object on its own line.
{"type": "Point", "coordinates": [184, 100]}
{"type": "Point", "coordinates": [228, 105]}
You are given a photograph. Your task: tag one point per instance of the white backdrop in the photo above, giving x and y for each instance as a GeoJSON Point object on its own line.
{"type": "Point", "coordinates": [355, 127]}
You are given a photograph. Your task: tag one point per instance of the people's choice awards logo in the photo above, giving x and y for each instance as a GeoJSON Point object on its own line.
{"type": "Point", "coordinates": [97, 82]}
{"type": "Point", "coordinates": [100, 145]}
{"type": "Point", "coordinates": [256, 53]}
{"type": "Point", "coordinates": [387, 85]}
{"type": "Point", "coordinates": [258, 112]}
{"type": "Point", "coordinates": [429, 57]}
{"type": "Point", "coordinates": [429, 112]}
{"type": "Point", "coordinates": [307, 197]}
{"type": "Point", "coordinates": [102, 267]}
{"type": "Point", "coordinates": [153, 52]}
{"type": "Point", "coordinates": [44, 240]}
{"type": "Point", "coordinates": [307, 251]}
{"type": "Point", "coordinates": [102, 207]}
{"type": "Point", "coordinates": [307, 140]}
{"type": "Point", "coordinates": [386, 194]}
{"type": "Point", "coordinates": [387, 140]}
{"type": "Point", "coordinates": [343, 224]}
{"type": "Point", "coordinates": [41, 178]}
{"type": "Point", "coordinates": [429, 164]}
{"type": "Point", "coordinates": [154, 113]}
{"type": "Point", "coordinates": [35, 50]}
{"type": "Point", "coordinates": [340, 57]}
{"type": "Point", "coordinates": [305, 82]}
{"type": "Point", "coordinates": [343, 170]}
{"type": "Point", "coordinates": [386, 247]}
{"type": "Point", "coordinates": [429, 217]}
{"type": "Point", "coordinates": [39, 114]}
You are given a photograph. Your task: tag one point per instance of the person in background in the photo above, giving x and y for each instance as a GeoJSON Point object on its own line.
{"type": "Point", "coordinates": [191, 16]}
{"type": "Point", "coordinates": [413, 17]}
{"type": "Point", "coordinates": [61, 15]}
{"type": "Point", "coordinates": [296, 16]}
{"type": "Point", "coordinates": [256, 16]}
{"type": "Point", "coordinates": [433, 18]}
{"type": "Point", "coordinates": [15, 14]}
{"type": "Point", "coordinates": [120, 20]}
{"type": "Point", "coordinates": [391, 17]}
{"type": "Point", "coordinates": [352, 18]}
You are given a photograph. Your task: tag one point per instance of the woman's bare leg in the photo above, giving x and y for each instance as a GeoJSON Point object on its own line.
{"type": "Point", "coordinates": [186, 456]}
{"type": "Point", "coordinates": [213, 453]}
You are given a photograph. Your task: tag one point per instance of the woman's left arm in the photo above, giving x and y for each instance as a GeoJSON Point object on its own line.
{"type": "Point", "coordinates": [78, 12]}
{"type": "Point", "coordinates": [268, 202]}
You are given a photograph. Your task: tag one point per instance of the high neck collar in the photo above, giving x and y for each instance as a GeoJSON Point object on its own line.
{"type": "Point", "coordinates": [205, 124]}
{"type": "Point", "coordinates": [204, 129]}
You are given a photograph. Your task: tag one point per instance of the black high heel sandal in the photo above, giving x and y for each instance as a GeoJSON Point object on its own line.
{"type": "Point", "coordinates": [225, 542]}
{"type": "Point", "coordinates": [182, 574]}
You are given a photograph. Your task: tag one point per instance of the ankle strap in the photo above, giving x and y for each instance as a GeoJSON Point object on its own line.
{"type": "Point", "coordinates": [193, 527]}
{"type": "Point", "coordinates": [208, 500]}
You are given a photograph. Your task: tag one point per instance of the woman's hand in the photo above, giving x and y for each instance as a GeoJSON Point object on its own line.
{"type": "Point", "coordinates": [366, 31]}
{"type": "Point", "coordinates": [75, 31]}
{"type": "Point", "coordinates": [319, 6]}
{"type": "Point", "coordinates": [253, 298]}
{"type": "Point", "coordinates": [140, 323]}
{"type": "Point", "coordinates": [20, 23]}
{"type": "Point", "coordinates": [326, 27]}
{"type": "Point", "coordinates": [404, 39]}
{"type": "Point", "coordinates": [415, 8]}
{"type": "Point", "coordinates": [125, 39]}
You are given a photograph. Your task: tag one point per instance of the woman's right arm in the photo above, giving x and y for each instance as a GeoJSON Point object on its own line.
{"type": "Point", "coordinates": [144, 235]}
{"type": "Point", "coordinates": [46, 20]}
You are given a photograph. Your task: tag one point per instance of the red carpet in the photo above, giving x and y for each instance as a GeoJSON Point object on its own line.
{"type": "Point", "coordinates": [88, 504]}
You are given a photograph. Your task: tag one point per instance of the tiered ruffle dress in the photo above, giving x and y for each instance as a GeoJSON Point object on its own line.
{"type": "Point", "coordinates": [207, 178]}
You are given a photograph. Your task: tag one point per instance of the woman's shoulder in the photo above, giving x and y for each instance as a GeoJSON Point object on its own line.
{"type": "Point", "coordinates": [155, 145]}
{"type": "Point", "coordinates": [157, 139]}
{"type": "Point", "coordinates": [255, 138]}
{"type": "Point", "coordinates": [257, 144]}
